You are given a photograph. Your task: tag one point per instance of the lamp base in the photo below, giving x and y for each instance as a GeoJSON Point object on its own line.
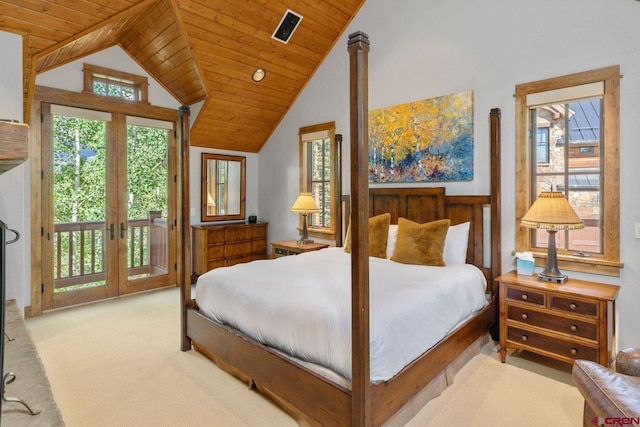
{"type": "Point", "coordinates": [304, 241]}
{"type": "Point", "coordinates": [559, 279]}
{"type": "Point", "coordinates": [551, 272]}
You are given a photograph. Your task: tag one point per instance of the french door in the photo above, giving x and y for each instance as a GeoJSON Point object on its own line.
{"type": "Point", "coordinates": [108, 205]}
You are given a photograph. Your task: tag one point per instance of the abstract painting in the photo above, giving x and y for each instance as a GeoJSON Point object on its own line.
{"type": "Point", "coordinates": [423, 141]}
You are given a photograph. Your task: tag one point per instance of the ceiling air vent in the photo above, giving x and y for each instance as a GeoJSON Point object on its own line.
{"type": "Point", "coordinates": [287, 26]}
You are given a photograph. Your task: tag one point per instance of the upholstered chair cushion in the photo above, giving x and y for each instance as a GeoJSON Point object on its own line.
{"type": "Point", "coordinates": [608, 394]}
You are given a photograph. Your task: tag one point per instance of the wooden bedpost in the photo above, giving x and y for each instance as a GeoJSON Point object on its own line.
{"type": "Point", "coordinates": [496, 216]}
{"type": "Point", "coordinates": [184, 272]}
{"type": "Point", "coordinates": [496, 255]}
{"type": "Point", "coordinates": [358, 47]}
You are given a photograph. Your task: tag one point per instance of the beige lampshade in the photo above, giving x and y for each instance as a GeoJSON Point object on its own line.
{"type": "Point", "coordinates": [552, 211]}
{"type": "Point", "coordinates": [305, 204]}
{"type": "Point", "coordinates": [210, 201]}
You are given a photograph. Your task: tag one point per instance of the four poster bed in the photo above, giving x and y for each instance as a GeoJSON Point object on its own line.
{"type": "Point", "coordinates": [360, 394]}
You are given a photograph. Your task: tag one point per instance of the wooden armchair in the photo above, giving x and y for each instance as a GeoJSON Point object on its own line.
{"type": "Point", "coordinates": [610, 397]}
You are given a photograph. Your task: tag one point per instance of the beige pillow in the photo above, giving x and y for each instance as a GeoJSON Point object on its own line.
{"type": "Point", "coordinates": [378, 233]}
{"type": "Point", "coordinates": [421, 244]}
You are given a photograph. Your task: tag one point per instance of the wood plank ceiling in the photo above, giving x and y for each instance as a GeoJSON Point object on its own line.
{"type": "Point", "coordinates": [198, 50]}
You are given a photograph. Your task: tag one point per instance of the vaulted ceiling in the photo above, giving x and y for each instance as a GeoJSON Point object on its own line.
{"type": "Point", "coordinates": [198, 50]}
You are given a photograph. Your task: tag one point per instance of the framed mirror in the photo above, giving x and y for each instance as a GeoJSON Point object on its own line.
{"type": "Point", "coordinates": [223, 187]}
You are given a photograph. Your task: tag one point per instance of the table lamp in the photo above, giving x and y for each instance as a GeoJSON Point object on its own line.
{"type": "Point", "coordinates": [305, 204]}
{"type": "Point", "coordinates": [552, 212]}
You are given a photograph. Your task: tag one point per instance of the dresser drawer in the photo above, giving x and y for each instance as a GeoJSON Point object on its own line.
{"type": "Point", "coordinates": [215, 236]}
{"type": "Point", "coordinates": [587, 308]}
{"type": "Point", "coordinates": [215, 252]}
{"type": "Point", "coordinates": [537, 341]}
{"type": "Point", "coordinates": [235, 234]}
{"type": "Point", "coordinates": [214, 264]}
{"type": "Point", "coordinates": [259, 247]}
{"type": "Point", "coordinates": [260, 232]}
{"type": "Point", "coordinates": [238, 260]}
{"type": "Point", "coordinates": [238, 249]}
{"type": "Point", "coordinates": [547, 320]}
{"type": "Point", "coordinates": [528, 296]}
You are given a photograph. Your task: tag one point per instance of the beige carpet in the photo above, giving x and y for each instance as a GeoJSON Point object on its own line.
{"type": "Point", "coordinates": [118, 363]}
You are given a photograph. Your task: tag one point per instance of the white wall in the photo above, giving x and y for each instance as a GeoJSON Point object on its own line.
{"type": "Point", "coordinates": [14, 203]}
{"type": "Point", "coordinates": [425, 49]}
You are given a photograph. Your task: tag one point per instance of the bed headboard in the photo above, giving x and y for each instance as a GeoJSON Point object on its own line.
{"type": "Point", "coordinates": [425, 204]}
{"type": "Point", "coordinates": [430, 204]}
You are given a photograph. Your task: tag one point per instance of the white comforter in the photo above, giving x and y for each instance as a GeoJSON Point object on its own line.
{"type": "Point", "coordinates": [301, 306]}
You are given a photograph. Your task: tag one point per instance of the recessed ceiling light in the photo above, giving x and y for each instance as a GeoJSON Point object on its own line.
{"type": "Point", "coordinates": [258, 75]}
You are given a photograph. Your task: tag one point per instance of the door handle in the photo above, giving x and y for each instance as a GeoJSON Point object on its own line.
{"type": "Point", "coordinates": [122, 230]}
{"type": "Point", "coordinates": [112, 230]}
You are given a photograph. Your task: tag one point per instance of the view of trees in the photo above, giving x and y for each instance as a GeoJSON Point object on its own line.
{"type": "Point", "coordinates": [79, 160]}
{"type": "Point", "coordinates": [79, 191]}
{"type": "Point", "coordinates": [79, 165]}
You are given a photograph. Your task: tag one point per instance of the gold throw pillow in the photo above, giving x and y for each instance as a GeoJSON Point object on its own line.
{"type": "Point", "coordinates": [378, 234]}
{"type": "Point", "coordinates": [421, 244]}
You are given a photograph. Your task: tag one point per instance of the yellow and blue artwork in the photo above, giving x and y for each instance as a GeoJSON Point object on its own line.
{"type": "Point", "coordinates": [423, 141]}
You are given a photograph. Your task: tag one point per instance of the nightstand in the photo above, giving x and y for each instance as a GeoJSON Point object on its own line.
{"type": "Point", "coordinates": [292, 247]}
{"type": "Point", "coordinates": [574, 320]}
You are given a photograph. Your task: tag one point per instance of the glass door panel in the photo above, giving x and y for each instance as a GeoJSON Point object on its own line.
{"type": "Point", "coordinates": [79, 195]}
{"type": "Point", "coordinates": [147, 204]}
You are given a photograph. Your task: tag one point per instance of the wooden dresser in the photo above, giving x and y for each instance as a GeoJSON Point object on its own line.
{"type": "Point", "coordinates": [227, 244]}
{"type": "Point", "coordinates": [574, 320]}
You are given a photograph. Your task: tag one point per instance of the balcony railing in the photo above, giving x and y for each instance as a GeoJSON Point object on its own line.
{"type": "Point", "coordinates": [80, 251]}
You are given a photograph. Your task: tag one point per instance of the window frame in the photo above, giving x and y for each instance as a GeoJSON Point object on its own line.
{"type": "Point", "coordinates": [93, 73]}
{"type": "Point", "coordinates": [333, 231]}
{"type": "Point", "coordinates": [609, 262]}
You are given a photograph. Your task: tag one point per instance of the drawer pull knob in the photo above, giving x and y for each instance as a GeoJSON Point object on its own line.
{"type": "Point", "coordinates": [524, 338]}
{"type": "Point", "coordinates": [524, 316]}
{"type": "Point", "coordinates": [574, 351]}
{"type": "Point", "coordinates": [524, 297]}
{"type": "Point", "coordinates": [573, 306]}
{"type": "Point", "coordinates": [573, 328]}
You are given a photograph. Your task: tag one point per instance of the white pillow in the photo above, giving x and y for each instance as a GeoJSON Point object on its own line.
{"type": "Point", "coordinates": [391, 239]}
{"type": "Point", "coordinates": [455, 245]}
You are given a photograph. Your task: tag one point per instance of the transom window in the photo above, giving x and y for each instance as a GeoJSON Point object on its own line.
{"type": "Point", "coordinates": [565, 129]}
{"type": "Point", "coordinates": [113, 83]}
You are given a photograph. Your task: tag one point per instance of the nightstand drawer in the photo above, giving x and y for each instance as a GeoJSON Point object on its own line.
{"type": "Point", "coordinates": [293, 247]}
{"type": "Point", "coordinates": [564, 349]}
{"type": "Point", "coordinates": [556, 323]}
{"type": "Point", "coordinates": [527, 296]}
{"type": "Point", "coordinates": [280, 252]}
{"type": "Point", "coordinates": [574, 306]}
